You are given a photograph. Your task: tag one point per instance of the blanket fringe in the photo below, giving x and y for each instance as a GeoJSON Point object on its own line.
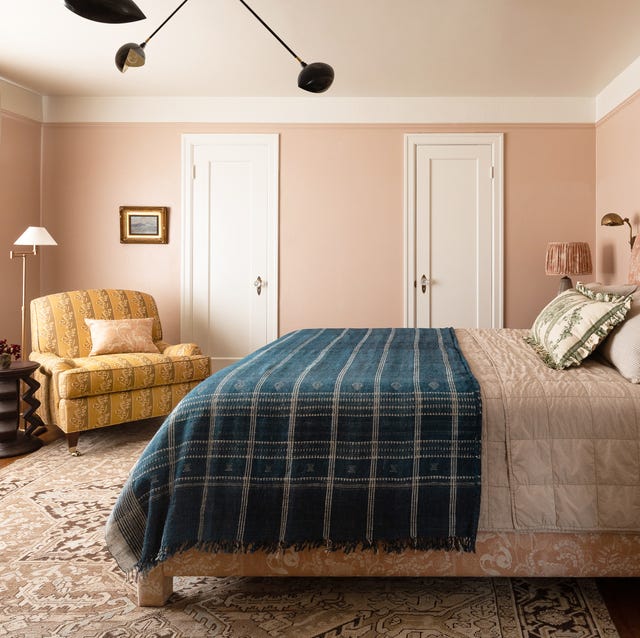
{"type": "Point", "coordinates": [396, 546]}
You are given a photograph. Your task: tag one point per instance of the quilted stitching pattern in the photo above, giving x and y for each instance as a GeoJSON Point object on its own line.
{"type": "Point", "coordinates": [564, 444]}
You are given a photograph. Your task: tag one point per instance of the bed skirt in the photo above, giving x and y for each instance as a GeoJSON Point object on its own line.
{"type": "Point", "coordinates": [548, 554]}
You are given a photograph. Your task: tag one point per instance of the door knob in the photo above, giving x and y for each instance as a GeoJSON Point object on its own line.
{"type": "Point", "coordinates": [258, 283]}
{"type": "Point", "coordinates": [424, 282]}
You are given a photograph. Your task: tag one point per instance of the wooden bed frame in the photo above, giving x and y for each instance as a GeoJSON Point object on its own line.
{"type": "Point", "coordinates": [548, 554]}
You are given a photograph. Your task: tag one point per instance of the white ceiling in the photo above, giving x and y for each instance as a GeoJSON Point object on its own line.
{"type": "Point", "coordinates": [378, 48]}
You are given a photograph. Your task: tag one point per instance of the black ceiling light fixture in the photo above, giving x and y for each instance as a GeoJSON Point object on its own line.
{"type": "Point", "coordinates": [316, 77]}
{"type": "Point", "coordinates": [132, 54]}
{"type": "Point", "coordinates": [110, 11]}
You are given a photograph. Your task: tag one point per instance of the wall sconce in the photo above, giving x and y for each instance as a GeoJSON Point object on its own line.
{"type": "Point", "coordinates": [613, 219]}
{"type": "Point", "coordinates": [567, 258]}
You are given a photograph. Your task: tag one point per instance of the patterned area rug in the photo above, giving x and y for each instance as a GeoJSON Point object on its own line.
{"type": "Point", "coordinates": [58, 579]}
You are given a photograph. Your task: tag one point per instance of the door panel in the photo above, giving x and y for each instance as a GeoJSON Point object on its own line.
{"type": "Point", "coordinates": [453, 233]}
{"type": "Point", "coordinates": [233, 245]}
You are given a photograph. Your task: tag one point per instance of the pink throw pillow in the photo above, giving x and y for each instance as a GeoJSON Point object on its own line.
{"type": "Point", "coordinates": [114, 336]}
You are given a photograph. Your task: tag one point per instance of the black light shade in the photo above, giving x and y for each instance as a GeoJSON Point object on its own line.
{"type": "Point", "coordinates": [110, 11]}
{"type": "Point", "coordinates": [316, 77]}
{"type": "Point", "coordinates": [130, 54]}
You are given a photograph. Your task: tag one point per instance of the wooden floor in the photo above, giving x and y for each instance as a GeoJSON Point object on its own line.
{"type": "Point", "coordinates": [622, 595]}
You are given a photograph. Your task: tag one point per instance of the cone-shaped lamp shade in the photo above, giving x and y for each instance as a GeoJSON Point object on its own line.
{"type": "Point", "coordinates": [111, 11]}
{"type": "Point", "coordinates": [130, 54]}
{"type": "Point", "coordinates": [316, 77]}
{"type": "Point", "coordinates": [35, 236]}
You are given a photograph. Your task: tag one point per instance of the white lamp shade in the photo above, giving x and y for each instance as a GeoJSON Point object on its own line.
{"type": "Point", "coordinates": [35, 236]}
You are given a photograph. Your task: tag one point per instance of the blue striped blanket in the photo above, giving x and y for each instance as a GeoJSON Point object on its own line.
{"type": "Point", "coordinates": [347, 439]}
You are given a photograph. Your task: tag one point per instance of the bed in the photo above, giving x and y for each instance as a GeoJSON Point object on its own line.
{"type": "Point", "coordinates": [557, 490]}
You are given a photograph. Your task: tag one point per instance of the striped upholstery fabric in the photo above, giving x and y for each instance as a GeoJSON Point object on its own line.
{"type": "Point", "coordinates": [123, 372]}
{"type": "Point", "coordinates": [81, 392]}
{"type": "Point", "coordinates": [57, 321]}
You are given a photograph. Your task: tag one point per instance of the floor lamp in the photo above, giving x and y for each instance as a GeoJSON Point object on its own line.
{"type": "Point", "coordinates": [34, 236]}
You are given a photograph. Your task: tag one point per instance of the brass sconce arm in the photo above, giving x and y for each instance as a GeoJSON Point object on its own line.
{"type": "Point", "coordinates": [23, 253]}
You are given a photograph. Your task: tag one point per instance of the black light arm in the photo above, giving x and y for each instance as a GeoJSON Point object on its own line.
{"type": "Point", "coordinates": [272, 32]}
{"type": "Point", "coordinates": [167, 20]}
{"type": "Point", "coordinates": [316, 77]}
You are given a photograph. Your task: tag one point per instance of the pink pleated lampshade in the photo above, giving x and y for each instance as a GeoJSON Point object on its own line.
{"type": "Point", "coordinates": [567, 258]}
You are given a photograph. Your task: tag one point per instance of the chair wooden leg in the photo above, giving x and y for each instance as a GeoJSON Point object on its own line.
{"type": "Point", "coordinates": [72, 441]}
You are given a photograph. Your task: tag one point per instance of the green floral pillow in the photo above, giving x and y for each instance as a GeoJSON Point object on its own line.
{"type": "Point", "coordinates": [570, 327]}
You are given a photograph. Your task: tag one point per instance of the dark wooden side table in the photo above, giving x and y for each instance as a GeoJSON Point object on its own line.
{"type": "Point", "coordinates": [13, 440]}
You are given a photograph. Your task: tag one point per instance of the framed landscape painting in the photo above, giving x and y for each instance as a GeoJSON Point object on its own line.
{"type": "Point", "coordinates": [143, 224]}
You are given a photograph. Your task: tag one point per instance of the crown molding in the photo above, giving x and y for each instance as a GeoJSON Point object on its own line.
{"type": "Point", "coordinates": [19, 100]}
{"type": "Point", "coordinates": [22, 101]}
{"type": "Point", "coordinates": [618, 91]}
{"type": "Point", "coordinates": [322, 110]}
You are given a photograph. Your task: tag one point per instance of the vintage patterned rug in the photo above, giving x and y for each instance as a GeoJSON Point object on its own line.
{"type": "Point", "coordinates": [57, 578]}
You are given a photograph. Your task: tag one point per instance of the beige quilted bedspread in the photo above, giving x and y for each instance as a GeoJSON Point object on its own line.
{"type": "Point", "coordinates": [561, 447]}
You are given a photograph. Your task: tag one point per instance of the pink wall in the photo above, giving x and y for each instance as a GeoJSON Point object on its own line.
{"type": "Point", "coordinates": [549, 196]}
{"type": "Point", "coordinates": [89, 172]}
{"type": "Point", "coordinates": [341, 213]}
{"type": "Point", "coordinates": [617, 187]}
{"type": "Point", "coordinates": [19, 208]}
{"type": "Point", "coordinates": [341, 218]}
{"type": "Point", "coordinates": [353, 234]}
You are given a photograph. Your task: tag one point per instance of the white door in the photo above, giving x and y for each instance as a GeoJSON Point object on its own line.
{"type": "Point", "coordinates": [453, 212]}
{"type": "Point", "coordinates": [230, 241]}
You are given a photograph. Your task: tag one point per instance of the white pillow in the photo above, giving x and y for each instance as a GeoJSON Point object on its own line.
{"type": "Point", "coordinates": [115, 336]}
{"type": "Point", "coordinates": [622, 347]}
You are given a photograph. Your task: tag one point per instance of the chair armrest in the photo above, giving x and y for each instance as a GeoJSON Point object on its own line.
{"type": "Point", "coordinates": [50, 363]}
{"type": "Point", "coordinates": [181, 350]}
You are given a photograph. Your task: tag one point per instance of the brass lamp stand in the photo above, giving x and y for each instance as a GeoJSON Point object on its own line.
{"type": "Point", "coordinates": [34, 236]}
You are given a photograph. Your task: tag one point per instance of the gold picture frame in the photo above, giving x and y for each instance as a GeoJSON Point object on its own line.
{"type": "Point", "coordinates": [143, 224]}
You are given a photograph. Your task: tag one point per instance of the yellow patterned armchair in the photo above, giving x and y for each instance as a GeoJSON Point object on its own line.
{"type": "Point", "coordinates": [82, 388]}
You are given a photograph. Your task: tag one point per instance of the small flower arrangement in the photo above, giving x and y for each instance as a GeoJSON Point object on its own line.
{"type": "Point", "coordinates": [13, 349]}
